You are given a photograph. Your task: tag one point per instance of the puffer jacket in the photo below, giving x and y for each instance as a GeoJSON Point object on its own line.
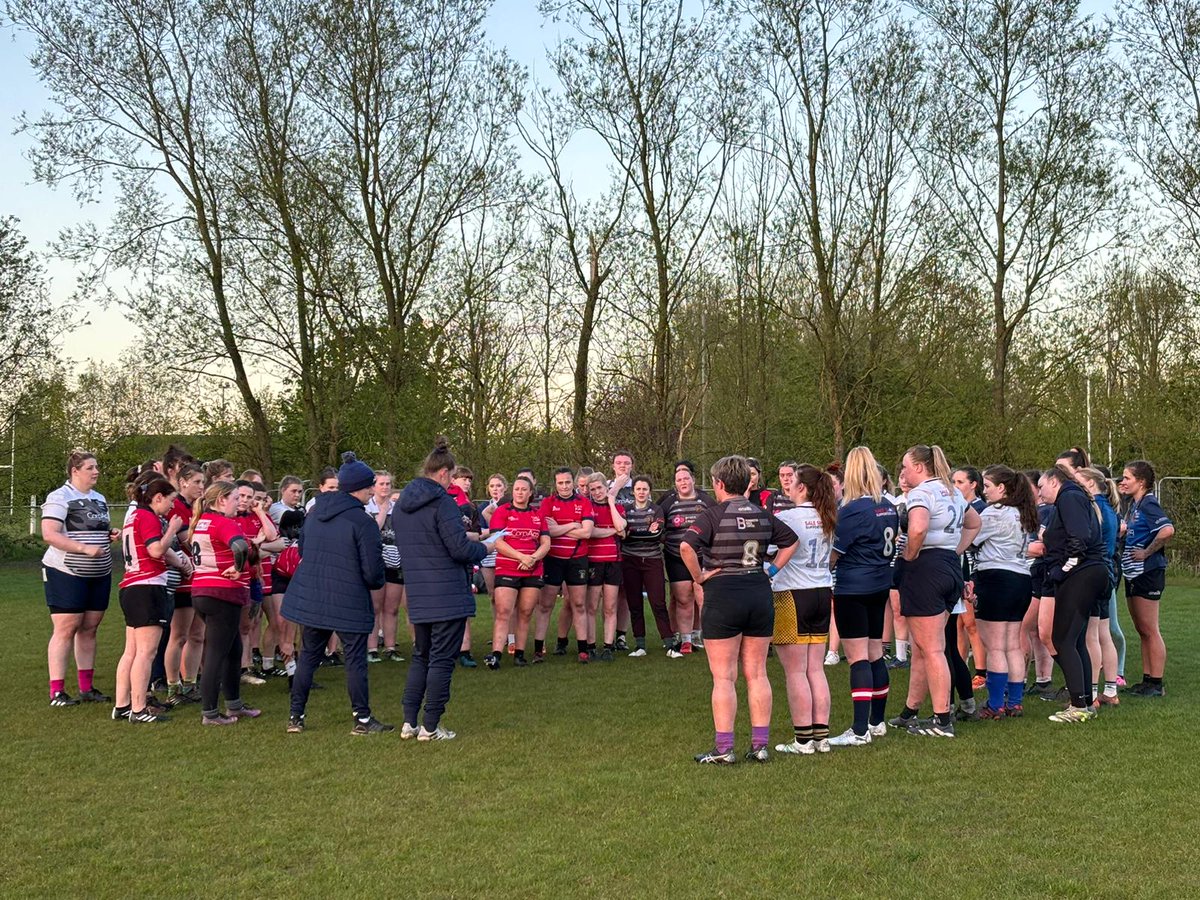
{"type": "Point", "coordinates": [438, 555]}
{"type": "Point", "coordinates": [341, 563]}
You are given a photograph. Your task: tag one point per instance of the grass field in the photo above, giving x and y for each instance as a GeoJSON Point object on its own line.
{"type": "Point", "coordinates": [575, 780]}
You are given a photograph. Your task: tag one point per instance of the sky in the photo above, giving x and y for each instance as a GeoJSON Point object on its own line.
{"type": "Point", "coordinates": [43, 211]}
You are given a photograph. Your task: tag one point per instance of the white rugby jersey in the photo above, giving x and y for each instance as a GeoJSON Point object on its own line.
{"type": "Point", "coordinates": [809, 565]}
{"type": "Point", "coordinates": [1001, 544]}
{"type": "Point", "coordinates": [946, 508]}
{"type": "Point", "coordinates": [85, 519]}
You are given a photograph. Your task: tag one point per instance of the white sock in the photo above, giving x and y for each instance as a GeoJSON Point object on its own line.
{"type": "Point", "coordinates": [512, 638]}
{"type": "Point", "coordinates": [901, 650]}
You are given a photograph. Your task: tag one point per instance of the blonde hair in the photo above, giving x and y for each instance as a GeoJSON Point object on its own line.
{"type": "Point", "coordinates": [1107, 487]}
{"type": "Point", "coordinates": [861, 476]}
{"type": "Point", "coordinates": [214, 493]}
{"type": "Point", "coordinates": [596, 478]}
{"type": "Point", "coordinates": [934, 462]}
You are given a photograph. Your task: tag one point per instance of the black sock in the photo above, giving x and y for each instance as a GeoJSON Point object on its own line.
{"type": "Point", "coordinates": [880, 683]}
{"type": "Point", "coordinates": [803, 733]}
{"type": "Point", "coordinates": [908, 712]}
{"type": "Point", "coordinates": [539, 646]}
{"type": "Point", "coordinates": [861, 689]}
{"type": "Point", "coordinates": [611, 646]}
{"type": "Point", "coordinates": [520, 654]}
{"type": "Point", "coordinates": [942, 718]}
{"type": "Point", "coordinates": [561, 644]}
{"type": "Point", "coordinates": [1150, 679]}
{"type": "Point", "coordinates": [591, 646]}
{"type": "Point", "coordinates": [583, 647]}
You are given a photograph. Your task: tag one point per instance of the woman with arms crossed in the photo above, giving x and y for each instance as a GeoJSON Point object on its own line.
{"type": "Point", "coordinates": [738, 618]}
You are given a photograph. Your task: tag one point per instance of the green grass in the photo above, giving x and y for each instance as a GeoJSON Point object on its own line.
{"type": "Point", "coordinates": [577, 780]}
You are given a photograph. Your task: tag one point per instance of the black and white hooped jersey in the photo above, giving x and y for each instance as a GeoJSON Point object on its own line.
{"type": "Point", "coordinates": [733, 536]}
{"type": "Point", "coordinates": [946, 508]}
{"type": "Point", "coordinates": [84, 519]}
{"type": "Point", "coordinates": [391, 553]}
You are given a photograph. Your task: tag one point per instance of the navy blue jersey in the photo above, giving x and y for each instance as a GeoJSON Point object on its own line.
{"type": "Point", "coordinates": [1143, 522]}
{"type": "Point", "coordinates": [865, 541]}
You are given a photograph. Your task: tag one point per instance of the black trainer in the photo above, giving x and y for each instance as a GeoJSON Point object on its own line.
{"type": "Point", "coordinates": [94, 696]}
{"type": "Point", "coordinates": [146, 717]}
{"type": "Point", "coordinates": [715, 757]}
{"type": "Point", "coordinates": [492, 661]}
{"type": "Point", "coordinates": [371, 726]}
{"type": "Point", "coordinates": [62, 698]}
{"type": "Point", "coordinates": [120, 712]}
{"type": "Point", "coordinates": [295, 724]}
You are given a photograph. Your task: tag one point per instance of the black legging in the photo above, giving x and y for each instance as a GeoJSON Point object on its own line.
{"type": "Point", "coordinates": [960, 675]}
{"type": "Point", "coordinates": [222, 653]}
{"type": "Point", "coordinates": [1073, 600]}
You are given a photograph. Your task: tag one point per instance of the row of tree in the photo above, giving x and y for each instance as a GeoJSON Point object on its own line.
{"type": "Point", "coordinates": [777, 226]}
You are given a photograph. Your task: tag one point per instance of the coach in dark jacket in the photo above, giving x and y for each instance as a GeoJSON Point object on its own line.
{"type": "Point", "coordinates": [438, 559]}
{"type": "Point", "coordinates": [341, 563]}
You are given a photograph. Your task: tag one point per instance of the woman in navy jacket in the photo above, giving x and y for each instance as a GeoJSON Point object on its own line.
{"type": "Point", "coordinates": [438, 559]}
{"type": "Point", "coordinates": [341, 563]}
{"type": "Point", "coordinates": [1075, 563]}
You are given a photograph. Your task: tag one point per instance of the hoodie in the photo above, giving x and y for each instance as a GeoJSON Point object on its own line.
{"type": "Point", "coordinates": [1073, 533]}
{"type": "Point", "coordinates": [438, 556]}
{"type": "Point", "coordinates": [342, 562]}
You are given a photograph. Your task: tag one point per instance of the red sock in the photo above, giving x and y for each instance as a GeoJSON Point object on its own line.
{"type": "Point", "coordinates": [85, 679]}
{"type": "Point", "coordinates": [56, 686]}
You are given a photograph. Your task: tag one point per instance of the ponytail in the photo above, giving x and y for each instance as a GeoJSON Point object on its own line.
{"type": "Point", "coordinates": [821, 494]}
{"type": "Point", "coordinates": [933, 460]}
{"type": "Point", "coordinates": [213, 494]}
{"type": "Point", "coordinates": [1018, 493]}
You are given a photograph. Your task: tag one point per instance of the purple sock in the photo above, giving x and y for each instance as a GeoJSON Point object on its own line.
{"type": "Point", "coordinates": [759, 735]}
{"type": "Point", "coordinates": [724, 741]}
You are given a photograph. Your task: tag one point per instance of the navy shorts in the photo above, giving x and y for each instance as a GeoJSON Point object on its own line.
{"type": "Point", "coordinates": [1002, 596]}
{"type": "Point", "coordinates": [931, 584]}
{"type": "Point", "coordinates": [1149, 585]}
{"type": "Point", "coordinates": [72, 594]}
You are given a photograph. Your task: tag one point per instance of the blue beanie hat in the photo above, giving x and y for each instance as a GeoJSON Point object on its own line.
{"type": "Point", "coordinates": [354, 475]}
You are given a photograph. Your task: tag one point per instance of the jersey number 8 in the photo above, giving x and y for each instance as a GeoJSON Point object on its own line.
{"type": "Point", "coordinates": [889, 541]}
{"type": "Point", "coordinates": [750, 554]}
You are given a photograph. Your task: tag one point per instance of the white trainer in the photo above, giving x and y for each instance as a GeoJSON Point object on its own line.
{"type": "Point", "coordinates": [639, 652]}
{"type": "Point", "coordinates": [849, 739]}
{"type": "Point", "coordinates": [805, 749]}
{"type": "Point", "coordinates": [823, 746]}
{"type": "Point", "coordinates": [408, 731]}
{"type": "Point", "coordinates": [440, 734]}
{"type": "Point", "coordinates": [831, 658]}
{"type": "Point", "coordinates": [877, 731]}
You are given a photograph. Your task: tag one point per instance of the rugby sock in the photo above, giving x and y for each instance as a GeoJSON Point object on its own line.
{"type": "Point", "coordinates": [1149, 679]}
{"type": "Point", "coordinates": [1095, 691]}
{"type": "Point", "coordinates": [820, 731]}
{"type": "Point", "coordinates": [880, 683]}
{"type": "Point", "coordinates": [724, 741]}
{"type": "Point", "coordinates": [908, 712]}
{"type": "Point", "coordinates": [1110, 689]}
{"type": "Point", "coordinates": [591, 646]}
{"type": "Point", "coordinates": [561, 644]}
{"type": "Point", "coordinates": [803, 733]}
{"type": "Point", "coordinates": [996, 682]}
{"type": "Point", "coordinates": [1016, 693]}
{"type": "Point", "coordinates": [539, 646]}
{"type": "Point", "coordinates": [57, 685]}
{"type": "Point", "coordinates": [512, 638]}
{"type": "Point", "coordinates": [861, 690]}
{"type": "Point", "coordinates": [85, 679]}
{"type": "Point", "coordinates": [759, 736]}
{"type": "Point", "coordinates": [612, 646]}
{"type": "Point", "coordinates": [942, 718]}
{"type": "Point", "coordinates": [582, 647]}
{"type": "Point", "coordinates": [268, 662]}
{"type": "Point", "coordinates": [519, 653]}
{"type": "Point", "coordinates": [901, 650]}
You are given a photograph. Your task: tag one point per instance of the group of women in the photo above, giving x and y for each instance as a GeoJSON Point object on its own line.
{"type": "Point", "coordinates": [999, 566]}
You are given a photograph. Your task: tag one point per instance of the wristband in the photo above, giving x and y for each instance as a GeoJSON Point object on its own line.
{"type": "Point", "coordinates": [772, 569]}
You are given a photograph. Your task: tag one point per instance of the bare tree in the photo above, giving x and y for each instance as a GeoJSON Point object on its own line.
{"type": "Point", "coordinates": [1024, 183]}
{"type": "Point", "coordinates": [664, 94]}
{"type": "Point", "coordinates": [134, 82]}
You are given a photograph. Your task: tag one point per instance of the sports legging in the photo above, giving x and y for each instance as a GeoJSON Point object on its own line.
{"type": "Point", "coordinates": [960, 675]}
{"type": "Point", "coordinates": [646, 573]}
{"type": "Point", "coordinates": [222, 670]}
{"type": "Point", "coordinates": [1118, 636]}
{"type": "Point", "coordinates": [1073, 601]}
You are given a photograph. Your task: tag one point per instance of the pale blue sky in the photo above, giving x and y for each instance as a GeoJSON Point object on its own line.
{"type": "Point", "coordinates": [515, 24]}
